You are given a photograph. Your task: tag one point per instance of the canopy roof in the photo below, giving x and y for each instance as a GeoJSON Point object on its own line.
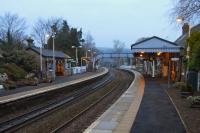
{"type": "Point", "coordinates": [155, 44]}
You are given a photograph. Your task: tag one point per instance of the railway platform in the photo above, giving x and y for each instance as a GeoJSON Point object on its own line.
{"type": "Point", "coordinates": [120, 116]}
{"type": "Point", "coordinates": [59, 84]}
{"type": "Point", "coordinates": [143, 108]}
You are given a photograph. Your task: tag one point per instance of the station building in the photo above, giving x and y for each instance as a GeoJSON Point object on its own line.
{"type": "Point", "coordinates": [157, 57]}
{"type": "Point", "coordinates": [193, 77]}
{"type": "Point", "coordinates": [62, 61]}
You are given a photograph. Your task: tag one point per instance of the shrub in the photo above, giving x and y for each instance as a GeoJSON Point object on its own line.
{"type": "Point", "coordinates": [23, 59]}
{"type": "Point", "coordinates": [13, 71]}
{"type": "Point", "coordinates": [194, 99]}
{"type": "Point", "coordinates": [189, 88]}
{"type": "Point", "coordinates": [26, 82]}
{"type": "Point", "coordinates": [183, 87]}
{"type": "Point", "coordinates": [179, 85]}
{"type": "Point", "coordinates": [9, 85]}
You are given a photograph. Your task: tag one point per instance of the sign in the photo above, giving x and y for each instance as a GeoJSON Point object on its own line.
{"type": "Point", "coordinates": [1, 86]}
{"type": "Point", "coordinates": [174, 59]}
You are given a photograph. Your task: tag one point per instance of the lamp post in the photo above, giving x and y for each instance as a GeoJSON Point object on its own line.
{"type": "Point", "coordinates": [76, 53]}
{"type": "Point", "coordinates": [46, 46]}
{"type": "Point", "coordinates": [93, 60]}
{"type": "Point", "coordinates": [46, 38]}
{"type": "Point", "coordinates": [53, 28]}
{"type": "Point", "coordinates": [86, 54]}
{"type": "Point", "coordinates": [41, 73]}
{"type": "Point", "coordinates": [180, 20]}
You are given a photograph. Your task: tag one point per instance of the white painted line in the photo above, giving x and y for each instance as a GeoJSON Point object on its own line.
{"type": "Point", "coordinates": [185, 126]}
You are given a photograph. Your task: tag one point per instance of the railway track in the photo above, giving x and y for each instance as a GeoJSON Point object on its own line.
{"type": "Point", "coordinates": [60, 128]}
{"type": "Point", "coordinates": [115, 83]}
{"type": "Point", "coordinates": [27, 118]}
{"type": "Point", "coordinates": [123, 85]}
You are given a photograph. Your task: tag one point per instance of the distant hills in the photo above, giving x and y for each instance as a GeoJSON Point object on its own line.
{"type": "Point", "coordinates": [111, 50]}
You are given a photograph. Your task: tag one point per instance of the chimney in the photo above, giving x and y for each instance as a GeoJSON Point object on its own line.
{"type": "Point", "coordinates": [30, 42]}
{"type": "Point", "coordinates": [185, 28]}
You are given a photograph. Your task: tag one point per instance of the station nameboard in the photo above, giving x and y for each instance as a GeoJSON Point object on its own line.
{"type": "Point", "coordinates": [174, 59]}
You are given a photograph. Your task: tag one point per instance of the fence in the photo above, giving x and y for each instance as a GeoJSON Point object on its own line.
{"type": "Point", "coordinates": [78, 70]}
{"type": "Point", "coordinates": [194, 80]}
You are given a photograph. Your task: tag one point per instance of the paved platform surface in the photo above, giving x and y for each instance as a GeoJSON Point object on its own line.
{"type": "Point", "coordinates": [57, 84]}
{"type": "Point", "coordinates": [156, 113]}
{"type": "Point", "coordinates": [120, 116]}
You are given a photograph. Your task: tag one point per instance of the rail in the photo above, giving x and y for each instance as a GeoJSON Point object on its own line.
{"type": "Point", "coordinates": [20, 121]}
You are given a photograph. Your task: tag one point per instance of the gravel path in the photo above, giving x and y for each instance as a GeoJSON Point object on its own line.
{"type": "Point", "coordinates": [58, 80]}
{"type": "Point", "coordinates": [156, 113]}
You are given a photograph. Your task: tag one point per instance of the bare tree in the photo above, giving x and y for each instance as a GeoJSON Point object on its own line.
{"type": "Point", "coordinates": [89, 41]}
{"type": "Point", "coordinates": [12, 29]}
{"type": "Point", "coordinates": [187, 9]}
{"type": "Point", "coordinates": [42, 28]}
{"type": "Point", "coordinates": [118, 46]}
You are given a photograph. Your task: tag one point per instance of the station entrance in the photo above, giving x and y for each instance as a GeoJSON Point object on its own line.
{"type": "Point", "coordinates": [157, 57]}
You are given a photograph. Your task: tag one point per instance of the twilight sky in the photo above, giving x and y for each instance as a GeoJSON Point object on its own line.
{"type": "Point", "coordinates": [106, 20]}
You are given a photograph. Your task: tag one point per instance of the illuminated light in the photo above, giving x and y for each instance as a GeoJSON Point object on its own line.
{"type": "Point", "coordinates": [141, 55]}
{"type": "Point", "coordinates": [142, 52]}
{"type": "Point", "coordinates": [159, 53]}
{"type": "Point", "coordinates": [179, 19]}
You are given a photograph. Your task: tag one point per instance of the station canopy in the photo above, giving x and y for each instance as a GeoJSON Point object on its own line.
{"type": "Point", "coordinates": [154, 45]}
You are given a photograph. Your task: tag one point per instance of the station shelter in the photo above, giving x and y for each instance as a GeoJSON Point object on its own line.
{"type": "Point", "coordinates": [158, 57]}
{"type": "Point", "coordinates": [62, 61]}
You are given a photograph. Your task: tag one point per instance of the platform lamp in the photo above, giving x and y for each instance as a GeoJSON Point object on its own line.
{"type": "Point", "coordinates": [46, 38]}
{"type": "Point", "coordinates": [180, 20]}
{"type": "Point", "coordinates": [53, 28]}
{"type": "Point", "coordinates": [94, 60]}
{"type": "Point", "coordinates": [86, 54]}
{"type": "Point", "coordinates": [76, 53]}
